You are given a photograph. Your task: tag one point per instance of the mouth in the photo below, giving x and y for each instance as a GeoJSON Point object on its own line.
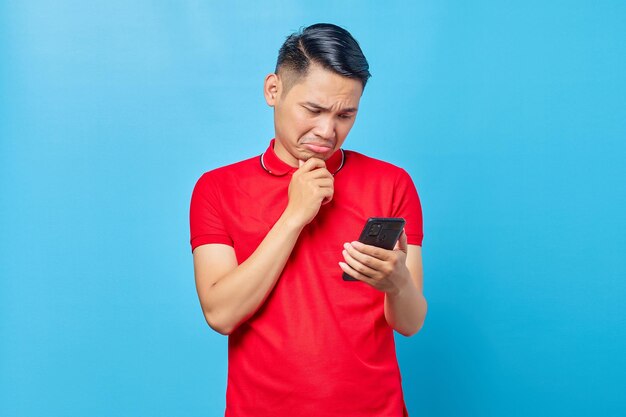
{"type": "Point", "coordinates": [318, 148]}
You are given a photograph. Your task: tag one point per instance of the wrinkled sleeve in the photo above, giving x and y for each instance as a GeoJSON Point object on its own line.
{"type": "Point", "coordinates": [406, 204]}
{"type": "Point", "coordinates": [206, 219]}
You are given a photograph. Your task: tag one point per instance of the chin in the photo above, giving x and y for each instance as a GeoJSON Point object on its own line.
{"type": "Point", "coordinates": [324, 156]}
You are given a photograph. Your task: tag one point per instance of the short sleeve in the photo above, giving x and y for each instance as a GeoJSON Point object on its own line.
{"type": "Point", "coordinates": [206, 221]}
{"type": "Point", "coordinates": [406, 204]}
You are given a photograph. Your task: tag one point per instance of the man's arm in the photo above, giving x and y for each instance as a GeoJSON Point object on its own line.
{"type": "Point", "coordinates": [405, 310]}
{"type": "Point", "coordinates": [230, 293]}
{"type": "Point", "coordinates": [398, 273]}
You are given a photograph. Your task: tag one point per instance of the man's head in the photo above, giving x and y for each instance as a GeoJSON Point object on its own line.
{"type": "Point", "coordinates": [315, 91]}
{"type": "Point", "coordinates": [330, 46]}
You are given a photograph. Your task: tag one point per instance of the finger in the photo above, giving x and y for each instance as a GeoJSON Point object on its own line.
{"type": "Point", "coordinates": [321, 172]}
{"type": "Point", "coordinates": [300, 163]}
{"type": "Point", "coordinates": [358, 266]}
{"type": "Point", "coordinates": [325, 192]}
{"type": "Point", "coordinates": [328, 195]}
{"type": "Point", "coordinates": [373, 251]}
{"type": "Point", "coordinates": [365, 259]}
{"type": "Point", "coordinates": [312, 164]}
{"type": "Point", "coordinates": [401, 243]}
{"type": "Point", "coordinates": [324, 182]}
{"type": "Point", "coordinates": [354, 274]}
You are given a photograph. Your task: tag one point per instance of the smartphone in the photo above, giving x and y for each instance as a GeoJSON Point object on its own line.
{"type": "Point", "coordinates": [383, 232]}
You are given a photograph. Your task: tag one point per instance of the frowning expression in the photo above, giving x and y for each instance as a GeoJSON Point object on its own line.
{"type": "Point", "coordinates": [314, 116]}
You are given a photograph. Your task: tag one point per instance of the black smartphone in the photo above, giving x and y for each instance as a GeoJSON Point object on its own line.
{"type": "Point", "coordinates": [383, 232]}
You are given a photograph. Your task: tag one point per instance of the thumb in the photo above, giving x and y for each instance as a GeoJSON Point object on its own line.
{"type": "Point", "coordinates": [401, 244]}
{"type": "Point", "coordinates": [300, 163]}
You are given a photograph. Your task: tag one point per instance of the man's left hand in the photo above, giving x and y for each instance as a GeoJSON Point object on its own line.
{"type": "Point", "coordinates": [383, 269]}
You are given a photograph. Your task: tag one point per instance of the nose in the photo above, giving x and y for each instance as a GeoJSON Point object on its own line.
{"type": "Point", "coordinates": [325, 128]}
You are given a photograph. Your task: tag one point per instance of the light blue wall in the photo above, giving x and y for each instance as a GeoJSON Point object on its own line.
{"type": "Point", "coordinates": [510, 117]}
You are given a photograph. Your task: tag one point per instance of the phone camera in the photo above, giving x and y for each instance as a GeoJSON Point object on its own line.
{"type": "Point", "coordinates": [375, 229]}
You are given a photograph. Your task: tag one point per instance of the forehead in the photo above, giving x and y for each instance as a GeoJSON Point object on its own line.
{"type": "Point", "coordinates": [326, 87]}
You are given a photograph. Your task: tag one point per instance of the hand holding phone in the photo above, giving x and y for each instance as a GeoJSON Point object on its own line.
{"type": "Point", "coordinates": [382, 232]}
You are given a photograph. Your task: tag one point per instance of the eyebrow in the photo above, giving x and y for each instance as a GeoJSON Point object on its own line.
{"type": "Point", "coordinates": [318, 107]}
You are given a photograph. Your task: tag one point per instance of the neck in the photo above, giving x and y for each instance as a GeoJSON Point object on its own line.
{"type": "Point", "coordinates": [285, 156]}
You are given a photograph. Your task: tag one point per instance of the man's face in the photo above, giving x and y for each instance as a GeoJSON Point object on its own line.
{"type": "Point", "coordinates": [314, 117]}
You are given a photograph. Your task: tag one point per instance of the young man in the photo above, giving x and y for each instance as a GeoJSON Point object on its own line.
{"type": "Point", "coordinates": [272, 235]}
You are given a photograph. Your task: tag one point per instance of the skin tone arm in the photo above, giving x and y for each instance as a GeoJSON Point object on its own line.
{"type": "Point", "coordinates": [398, 273]}
{"type": "Point", "coordinates": [230, 293]}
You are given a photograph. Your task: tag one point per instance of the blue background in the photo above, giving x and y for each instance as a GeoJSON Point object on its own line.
{"type": "Point", "coordinates": [510, 117]}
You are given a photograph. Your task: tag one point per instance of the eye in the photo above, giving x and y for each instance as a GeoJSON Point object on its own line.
{"type": "Point", "coordinates": [312, 111]}
{"type": "Point", "coordinates": [346, 116]}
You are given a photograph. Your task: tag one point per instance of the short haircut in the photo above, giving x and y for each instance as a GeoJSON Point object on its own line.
{"type": "Point", "coordinates": [325, 44]}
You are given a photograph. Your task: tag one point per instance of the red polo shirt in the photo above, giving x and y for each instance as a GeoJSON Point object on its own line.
{"type": "Point", "coordinates": [319, 345]}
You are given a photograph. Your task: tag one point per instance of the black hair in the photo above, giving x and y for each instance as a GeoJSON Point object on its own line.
{"type": "Point", "coordinates": [325, 44]}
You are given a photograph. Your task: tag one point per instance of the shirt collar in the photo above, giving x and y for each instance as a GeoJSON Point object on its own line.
{"type": "Point", "coordinates": [272, 164]}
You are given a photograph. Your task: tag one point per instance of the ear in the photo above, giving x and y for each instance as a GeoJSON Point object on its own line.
{"type": "Point", "coordinates": [271, 89]}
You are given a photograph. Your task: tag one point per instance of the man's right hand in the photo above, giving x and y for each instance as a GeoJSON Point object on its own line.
{"type": "Point", "coordinates": [229, 292]}
{"type": "Point", "coordinates": [311, 186]}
